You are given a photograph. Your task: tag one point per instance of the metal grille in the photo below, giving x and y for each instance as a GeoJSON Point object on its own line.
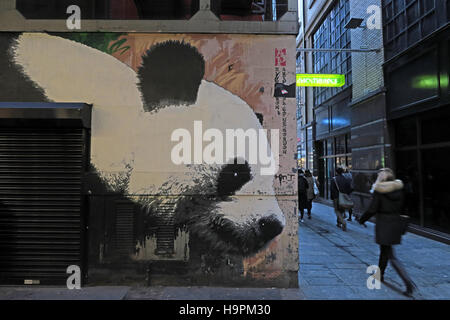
{"type": "Point", "coordinates": [124, 228]}
{"type": "Point", "coordinates": [40, 204]}
{"type": "Point", "coordinates": [165, 234]}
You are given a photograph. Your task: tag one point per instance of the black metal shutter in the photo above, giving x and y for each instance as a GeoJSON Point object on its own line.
{"type": "Point", "coordinates": [41, 222]}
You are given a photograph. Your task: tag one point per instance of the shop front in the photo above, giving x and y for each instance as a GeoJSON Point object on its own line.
{"type": "Point", "coordinates": [332, 144]}
{"type": "Point", "coordinates": [418, 114]}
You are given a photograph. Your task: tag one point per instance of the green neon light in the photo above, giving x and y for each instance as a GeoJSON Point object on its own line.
{"type": "Point", "coordinates": [320, 80]}
{"type": "Point", "coordinates": [428, 82]}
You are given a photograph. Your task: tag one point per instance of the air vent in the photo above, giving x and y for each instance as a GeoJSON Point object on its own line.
{"type": "Point", "coordinates": [124, 239]}
{"type": "Point", "coordinates": [165, 234]}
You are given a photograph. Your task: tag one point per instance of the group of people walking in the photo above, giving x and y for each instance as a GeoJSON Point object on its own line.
{"type": "Point", "coordinates": [386, 205]}
{"type": "Point", "coordinates": [308, 190]}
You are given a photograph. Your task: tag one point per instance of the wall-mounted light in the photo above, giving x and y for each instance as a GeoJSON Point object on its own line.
{"type": "Point", "coordinates": [354, 23]}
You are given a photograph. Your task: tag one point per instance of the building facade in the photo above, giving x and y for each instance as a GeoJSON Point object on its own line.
{"type": "Point", "coordinates": [328, 125]}
{"type": "Point", "coordinates": [106, 134]}
{"type": "Point", "coordinates": [416, 70]}
{"type": "Point", "coordinates": [396, 87]}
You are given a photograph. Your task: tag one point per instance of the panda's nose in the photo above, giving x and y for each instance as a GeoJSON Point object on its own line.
{"type": "Point", "coordinates": [270, 227]}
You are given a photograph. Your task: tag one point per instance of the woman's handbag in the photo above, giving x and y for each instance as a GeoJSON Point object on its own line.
{"type": "Point", "coordinates": [404, 223]}
{"type": "Point", "coordinates": [344, 200]}
{"type": "Point", "coordinates": [316, 190]}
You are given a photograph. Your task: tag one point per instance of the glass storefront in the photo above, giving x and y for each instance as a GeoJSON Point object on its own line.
{"type": "Point", "coordinates": [422, 163]}
{"type": "Point", "coordinates": [333, 152]}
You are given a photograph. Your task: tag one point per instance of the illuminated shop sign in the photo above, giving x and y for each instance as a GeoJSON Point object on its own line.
{"type": "Point", "coordinates": [428, 82]}
{"type": "Point", "coordinates": [320, 80]}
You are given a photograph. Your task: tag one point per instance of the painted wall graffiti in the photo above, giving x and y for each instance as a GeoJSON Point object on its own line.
{"type": "Point", "coordinates": [143, 87]}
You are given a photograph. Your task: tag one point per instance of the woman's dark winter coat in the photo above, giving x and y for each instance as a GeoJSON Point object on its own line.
{"type": "Point", "coordinates": [386, 204]}
{"type": "Point", "coordinates": [302, 192]}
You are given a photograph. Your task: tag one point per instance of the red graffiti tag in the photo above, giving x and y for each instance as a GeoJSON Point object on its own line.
{"type": "Point", "coordinates": [280, 57]}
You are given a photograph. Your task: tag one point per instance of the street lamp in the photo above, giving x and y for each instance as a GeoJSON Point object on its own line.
{"type": "Point", "coordinates": [354, 23]}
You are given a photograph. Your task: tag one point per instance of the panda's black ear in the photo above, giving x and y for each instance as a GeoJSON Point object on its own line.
{"type": "Point", "coordinates": [170, 74]}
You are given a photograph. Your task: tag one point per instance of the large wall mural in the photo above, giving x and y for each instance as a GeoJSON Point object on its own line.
{"type": "Point", "coordinates": [163, 106]}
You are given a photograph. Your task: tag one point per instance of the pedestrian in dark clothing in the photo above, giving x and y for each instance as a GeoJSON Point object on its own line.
{"type": "Point", "coordinates": [348, 175]}
{"type": "Point", "coordinates": [310, 192]}
{"type": "Point", "coordinates": [302, 193]}
{"type": "Point", "coordinates": [340, 184]}
{"type": "Point", "coordinates": [386, 204]}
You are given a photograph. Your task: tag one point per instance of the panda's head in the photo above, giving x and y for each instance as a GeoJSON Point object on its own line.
{"type": "Point", "coordinates": [230, 204]}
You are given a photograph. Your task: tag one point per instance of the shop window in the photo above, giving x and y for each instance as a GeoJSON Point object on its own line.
{"type": "Point", "coordinates": [322, 121]}
{"type": "Point", "coordinates": [340, 115]}
{"type": "Point", "coordinates": [435, 129]}
{"type": "Point", "coordinates": [349, 162]}
{"type": "Point", "coordinates": [341, 162]}
{"type": "Point", "coordinates": [348, 143]}
{"type": "Point", "coordinates": [406, 132]}
{"type": "Point", "coordinates": [435, 176]}
{"type": "Point", "coordinates": [408, 172]}
{"type": "Point", "coordinates": [422, 165]}
{"type": "Point", "coordinates": [413, 82]}
{"type": "Point", "coordinates": [340, 145]}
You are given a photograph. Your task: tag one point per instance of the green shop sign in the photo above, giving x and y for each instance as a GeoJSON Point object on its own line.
{"type": "Point", "coordinates": [320, 80]}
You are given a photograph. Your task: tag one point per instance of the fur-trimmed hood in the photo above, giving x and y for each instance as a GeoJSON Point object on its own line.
{"type": "Point", "coordinates": [388, 186]}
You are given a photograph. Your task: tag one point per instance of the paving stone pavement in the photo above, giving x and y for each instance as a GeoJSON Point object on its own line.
{"type": "Point", "coordinates": [332, 265]}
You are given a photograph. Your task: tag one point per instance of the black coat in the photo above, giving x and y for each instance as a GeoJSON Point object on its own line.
{"type": "Point", "coordinates": [387, 203]}
{"type": "Point", "coordinates": [303, 186]}
{"type": "Point", "coordinates": [345, 186]}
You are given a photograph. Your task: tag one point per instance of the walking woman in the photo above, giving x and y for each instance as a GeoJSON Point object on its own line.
{"type": "Point", "coordinates": [310, 192]}
{"type": "Point", "coordinates": [302, 193]}
{"type": "Point", "coordinates": [386, 204]}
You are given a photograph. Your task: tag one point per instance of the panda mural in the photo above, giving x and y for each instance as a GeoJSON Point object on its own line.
{"type": "Point", "coordinates": [227, 208]}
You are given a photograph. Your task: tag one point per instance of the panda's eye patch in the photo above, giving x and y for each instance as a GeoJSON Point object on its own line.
{"type": "Point", "coordinates": [232, 177]}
